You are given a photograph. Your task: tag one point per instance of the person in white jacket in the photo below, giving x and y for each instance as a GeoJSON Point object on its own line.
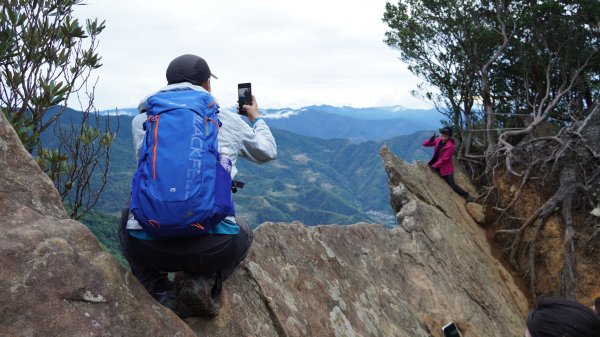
{"type": "Point", "coordinates": [201, 262]}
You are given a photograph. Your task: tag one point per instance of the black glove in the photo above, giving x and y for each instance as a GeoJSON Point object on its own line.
{"type": "Point", "coordinates": [432, 138]}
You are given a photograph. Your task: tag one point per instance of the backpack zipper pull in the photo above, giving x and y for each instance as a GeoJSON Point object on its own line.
{"type": "Point", "coordinates": [155, 147]}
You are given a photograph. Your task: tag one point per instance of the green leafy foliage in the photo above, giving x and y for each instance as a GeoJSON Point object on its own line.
{"type": "Point", "coordinates": [46, 56]}
{"type": "Point", "coordinates": [516, 79]}
{"type": "Point", "coordinates": [485, 63]}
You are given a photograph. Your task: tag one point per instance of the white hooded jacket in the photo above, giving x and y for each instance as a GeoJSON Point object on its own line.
{"type": "Point", "coordinates": [236, 138]}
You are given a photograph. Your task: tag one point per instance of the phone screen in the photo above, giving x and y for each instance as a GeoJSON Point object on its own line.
{"type": "Point", "coordinates": [451, 330]}
{"type": "Point", "coordinates": [244, 95]}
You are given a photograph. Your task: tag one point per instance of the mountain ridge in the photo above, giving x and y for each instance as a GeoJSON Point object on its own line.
{"type": "Point", "coordinates": [356, 124]}
{"type": "Point", "coordinates": [314, 180]}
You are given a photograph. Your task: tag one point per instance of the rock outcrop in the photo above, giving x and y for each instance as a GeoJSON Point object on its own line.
{"type": "Point", "coordinates": [358, 280]}
{"type": "Point", "coordinates": [55, 278]}
{"type": "Point", "coordinates": [365, 280]}
{"type": "Point", "coordinates": [22, 181]}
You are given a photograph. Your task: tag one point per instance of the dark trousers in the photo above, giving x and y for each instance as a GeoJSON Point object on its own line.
{"type": "Point", "coordinates": [215, 255]}
{"type": "Point", "coordinates": [450, 180]}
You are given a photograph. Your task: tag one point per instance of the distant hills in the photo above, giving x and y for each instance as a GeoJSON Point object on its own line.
{"type": "Point", "coordinates": [355, 124]}
{"type": "Point", "coordinates": [317, 178]}
{"type": "Point", "coordinates": [320, 181]}
{"type": "Point", "coordinates": [378, 113]}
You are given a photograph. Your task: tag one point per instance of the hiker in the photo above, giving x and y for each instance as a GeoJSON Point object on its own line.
{"type": "Point", "coordinates": [201, 262]}
{"type": "Point", "coordinates": [557, 317]}
{"type": "Point", "coordinates": [442, 160]}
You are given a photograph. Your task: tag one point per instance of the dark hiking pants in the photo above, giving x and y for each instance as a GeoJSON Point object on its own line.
{"type": "Point", "coordinates": [215, 255]}
{"type": "Point", "coordinates": [450, 180]}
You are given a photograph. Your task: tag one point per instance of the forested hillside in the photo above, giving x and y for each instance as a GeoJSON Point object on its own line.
{"type": "Point", "coordinates": [357, 125]}
{"type": "Point", "coordinates": [320, 181]}
{"type": "Point", "coordinates": [313, 180]}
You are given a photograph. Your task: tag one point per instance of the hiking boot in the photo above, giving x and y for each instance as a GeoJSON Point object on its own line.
{"type": "Point", "coordinates": [194, 297]}
{"type": "Point", "coordinates": [165, 298]}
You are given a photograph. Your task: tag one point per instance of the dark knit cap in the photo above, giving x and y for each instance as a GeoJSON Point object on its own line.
{"type": "Point", "coordinates": [446, 130]}
{"type": "Point", "coordinates": [188, 68]}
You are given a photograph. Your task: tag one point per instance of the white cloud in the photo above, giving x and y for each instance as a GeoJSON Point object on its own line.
{"type": "Point", "coordinates": [280, 114]}
{"type": "Point", "coordinates": [295, 53]}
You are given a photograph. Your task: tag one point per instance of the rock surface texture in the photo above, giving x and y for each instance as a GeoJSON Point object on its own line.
{"type": "Point", "coordinates": [365, 280]}
{"type": "Point", "coordinates": [55, 278]}
{"type": "Point", "coordinates": [358, 280]}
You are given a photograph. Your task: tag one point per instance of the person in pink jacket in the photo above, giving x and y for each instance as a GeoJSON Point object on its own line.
{"type": "Point", "coordinates": [442, 160]}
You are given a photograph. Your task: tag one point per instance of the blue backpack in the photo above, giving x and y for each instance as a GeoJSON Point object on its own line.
{"type": "Point", "coordinates": [180, 188]}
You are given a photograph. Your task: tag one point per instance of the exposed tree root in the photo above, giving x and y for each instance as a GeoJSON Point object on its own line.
{"type": "Point", "coordinates": [571, 157]}
{"type": "Point", "coordinates": [569, 273]}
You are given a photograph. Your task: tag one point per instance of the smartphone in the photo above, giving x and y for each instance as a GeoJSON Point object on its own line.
{"type": "Point", "coordinates": [244, 96]}
{"type": "Point", "coordinates": [451, 330]}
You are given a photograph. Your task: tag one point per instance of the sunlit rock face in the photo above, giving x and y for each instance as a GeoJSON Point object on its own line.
{"type": "Point", "coordinates": [56, 279]}
{"type": "Point", "coordinates": [366, 280]}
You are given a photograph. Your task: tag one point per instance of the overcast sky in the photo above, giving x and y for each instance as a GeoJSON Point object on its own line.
{"type": "Point", "coordinates": [295, 53]}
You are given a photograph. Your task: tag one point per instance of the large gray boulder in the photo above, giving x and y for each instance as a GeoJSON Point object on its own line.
{"type": "Point", "coordinates": [366, 280]}
{"type": "Point", "coordinates": [55, 278]}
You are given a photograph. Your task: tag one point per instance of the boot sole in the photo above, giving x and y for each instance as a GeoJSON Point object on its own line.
{"type": "Point", "coordinates": [195, 301]}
